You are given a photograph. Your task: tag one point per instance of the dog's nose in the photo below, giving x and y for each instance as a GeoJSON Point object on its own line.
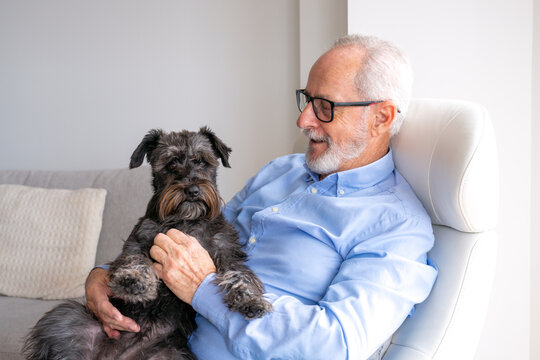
{"type": "Point", "coordinates": [192, 191]}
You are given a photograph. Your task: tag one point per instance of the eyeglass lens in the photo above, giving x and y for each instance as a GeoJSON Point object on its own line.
{"type": "Point", "coordinates": [321, 107]}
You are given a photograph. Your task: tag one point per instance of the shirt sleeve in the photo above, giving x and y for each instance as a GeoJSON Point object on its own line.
{"type": "Point", "coordinates": [370, 296]}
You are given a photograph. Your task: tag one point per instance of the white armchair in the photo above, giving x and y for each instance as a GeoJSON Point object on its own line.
{"type": "Point", "coordinates": [446, 151]}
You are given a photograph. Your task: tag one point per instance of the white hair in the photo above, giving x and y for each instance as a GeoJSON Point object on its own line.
{"type": "Point", "coordinates": [385, 73]}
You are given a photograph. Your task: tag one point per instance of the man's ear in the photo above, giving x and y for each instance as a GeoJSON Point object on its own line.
{"type": "Point", "coordinates": [385, 113]}
{"type": "Point", "coordinates": [145, 148]}
{"type": "Point", "coordinates": [221, 150]}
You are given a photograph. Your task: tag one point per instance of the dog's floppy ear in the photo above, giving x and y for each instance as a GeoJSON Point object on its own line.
{"type": "Point", "coordinates": [220, 149]}
{"type": "Point", "coordinates": [147, 145]}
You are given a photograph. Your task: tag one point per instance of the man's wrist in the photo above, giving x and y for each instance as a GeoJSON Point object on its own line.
{"type": "Point", "coordinates": [202, 290]}
{"type": "Point", "coordinates": [208, 302]}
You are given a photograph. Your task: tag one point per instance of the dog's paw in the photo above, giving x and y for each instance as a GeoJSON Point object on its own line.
{"type": "Point", "coordinates": [253, 309]}
{"type": "Point", "coordinates": [243, 293]}
{"type": "Point", "coordinates": [135, 282]}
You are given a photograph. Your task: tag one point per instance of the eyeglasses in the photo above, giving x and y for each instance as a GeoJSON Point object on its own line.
{"type": "Point", "coordinates": [324, 108]}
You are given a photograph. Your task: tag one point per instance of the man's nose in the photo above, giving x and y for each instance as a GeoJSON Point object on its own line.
{"type": "Point", "coordinates": [307, 118]}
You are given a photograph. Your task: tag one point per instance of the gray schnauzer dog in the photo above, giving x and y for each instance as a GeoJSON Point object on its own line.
{"type": "Point", "coordinates": [186, 198]}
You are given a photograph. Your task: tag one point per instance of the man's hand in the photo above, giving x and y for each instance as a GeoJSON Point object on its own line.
{"type": "Point", "coordinates": [97, 300]}
{"type": "Point", "coordinates": [182, 263]}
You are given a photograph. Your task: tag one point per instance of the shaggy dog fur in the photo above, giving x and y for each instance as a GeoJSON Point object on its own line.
{"type": "Point", "coordinates": [185, 197]}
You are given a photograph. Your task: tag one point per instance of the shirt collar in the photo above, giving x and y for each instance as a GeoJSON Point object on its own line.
{"type": "Point", "coordinates": [358, 178]}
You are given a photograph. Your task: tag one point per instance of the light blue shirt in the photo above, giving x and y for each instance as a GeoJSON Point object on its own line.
{"type": "Point", "coordinates": [343, 261]}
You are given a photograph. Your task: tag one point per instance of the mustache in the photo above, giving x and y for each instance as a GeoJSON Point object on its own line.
{"type": "Point", "coordinates": [173, 197]}
{"type": "Point", "coordinates": [312, 135]}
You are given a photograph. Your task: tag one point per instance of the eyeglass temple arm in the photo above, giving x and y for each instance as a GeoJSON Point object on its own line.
{"type": "Point", "coordinates": [361, 103]}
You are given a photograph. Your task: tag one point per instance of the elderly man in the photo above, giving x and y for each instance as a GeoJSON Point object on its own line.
{"type": "Point", "coordinates": [337, 235]}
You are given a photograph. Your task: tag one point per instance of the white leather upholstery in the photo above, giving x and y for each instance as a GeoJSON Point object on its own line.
{"type": "Point", "coordinates": [446, 151]}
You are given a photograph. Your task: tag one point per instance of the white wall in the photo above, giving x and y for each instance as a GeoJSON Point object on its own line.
{"type": "Point", "coordinates": [83, 81]}
{"type": "Point", "coordinates": [321, 23]}
{"type": "Point", "coordinates": [535, 181]}
{"type": "Point", "coordinates": [481, 51]}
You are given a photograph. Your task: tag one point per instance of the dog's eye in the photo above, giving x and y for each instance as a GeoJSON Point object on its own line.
{"type": "Point", "coordinates": [197, 161]}
{"type": "Point", "coordinates": [172, 165]}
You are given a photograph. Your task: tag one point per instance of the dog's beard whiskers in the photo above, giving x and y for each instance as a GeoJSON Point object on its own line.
{"type": "Point", "coordinates": [174, 201]}
{"type": "Point", "coordinates": [212, 200]}
{"type": "Point", "coordinates": [191, 211]}
{"type": "Point", "coordinates": [170, 199]}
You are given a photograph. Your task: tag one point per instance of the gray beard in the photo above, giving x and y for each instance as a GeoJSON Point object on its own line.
{"type": "Point", "coordinates": [332, 158]}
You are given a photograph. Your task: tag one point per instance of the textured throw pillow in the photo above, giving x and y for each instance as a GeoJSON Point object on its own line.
{"type": "Point", "coordinates": [48, 240]}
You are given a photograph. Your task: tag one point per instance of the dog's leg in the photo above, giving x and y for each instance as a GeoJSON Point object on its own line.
{"type": "Point", "coordinates": [132, 276]}
{"type": "Point", "coordinates": [133, 279]}
{"type": "Point", "coordinates": [174, 346]}
{"type": "Point", "coordinates": [69, 331]}
{"type": "Point", "coordinates": [178, 354]}
{"type": "Point", "coordinates": [243, 291]}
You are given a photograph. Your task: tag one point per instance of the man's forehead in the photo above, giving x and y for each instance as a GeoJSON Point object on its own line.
{"type": "Point", "coordinates": [333, 74]}
{"type": "Point", "coordinates": [342, 58]}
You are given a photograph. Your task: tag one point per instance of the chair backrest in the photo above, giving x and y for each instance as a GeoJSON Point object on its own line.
{"type": "Point", "coordinates": [446, 150]}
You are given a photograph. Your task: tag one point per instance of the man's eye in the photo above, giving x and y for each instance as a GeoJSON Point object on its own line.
{"type": "Point", "coordinates": [325, 106]}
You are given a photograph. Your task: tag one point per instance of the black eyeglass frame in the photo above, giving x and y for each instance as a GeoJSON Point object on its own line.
{"type": "Point", "coordinates": [332, 104]}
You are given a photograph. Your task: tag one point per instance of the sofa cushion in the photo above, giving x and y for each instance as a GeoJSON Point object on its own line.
{"type": "Point", "coordinates": [49, 239]}
{"type": "Point", "coordinates": [128, 193]}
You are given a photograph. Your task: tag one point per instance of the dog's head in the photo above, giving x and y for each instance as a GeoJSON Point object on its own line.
{"type": "Point", "coordinates": [184, 166]}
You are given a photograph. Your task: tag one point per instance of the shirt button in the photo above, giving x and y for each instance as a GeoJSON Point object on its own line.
{"type": "Point", "coordinates": [275, 209]}
{"type": "Point", "coordinates": [313, 190]}
{"type": "Point", "coordinates": [252, 240]}
{"type": "Point", "coordinates": [341, 192]}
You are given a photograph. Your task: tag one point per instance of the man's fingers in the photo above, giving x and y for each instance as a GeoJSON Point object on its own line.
{"type": "Point", "coordinates": [159, 269]}
{"type": "Point", "coordinates": [175, 234]}
{"type": "Point", "coordinates": [112, 318]}
{"type": "Point", "coordinates": [113, 334]}
{"type": "Point", "coordinates": [97, 301]}
{"type": "Point", "coordinates": [157, 253]}
{"type": "Point", "coordinates": [179, 237]}
{"type": "Point", "coordinates": [109, 313]}
{"type": "Point", "coordinates": [168, 244]}
{"type": "Point", "coordinates": [165, 242]}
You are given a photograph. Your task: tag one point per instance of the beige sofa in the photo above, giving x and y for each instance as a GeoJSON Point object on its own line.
{"type": "Point", "coordinates": [128, 192]}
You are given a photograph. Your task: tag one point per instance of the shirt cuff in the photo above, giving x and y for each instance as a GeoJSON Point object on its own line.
{"type": "Point", "coordinates": [208, 302]}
